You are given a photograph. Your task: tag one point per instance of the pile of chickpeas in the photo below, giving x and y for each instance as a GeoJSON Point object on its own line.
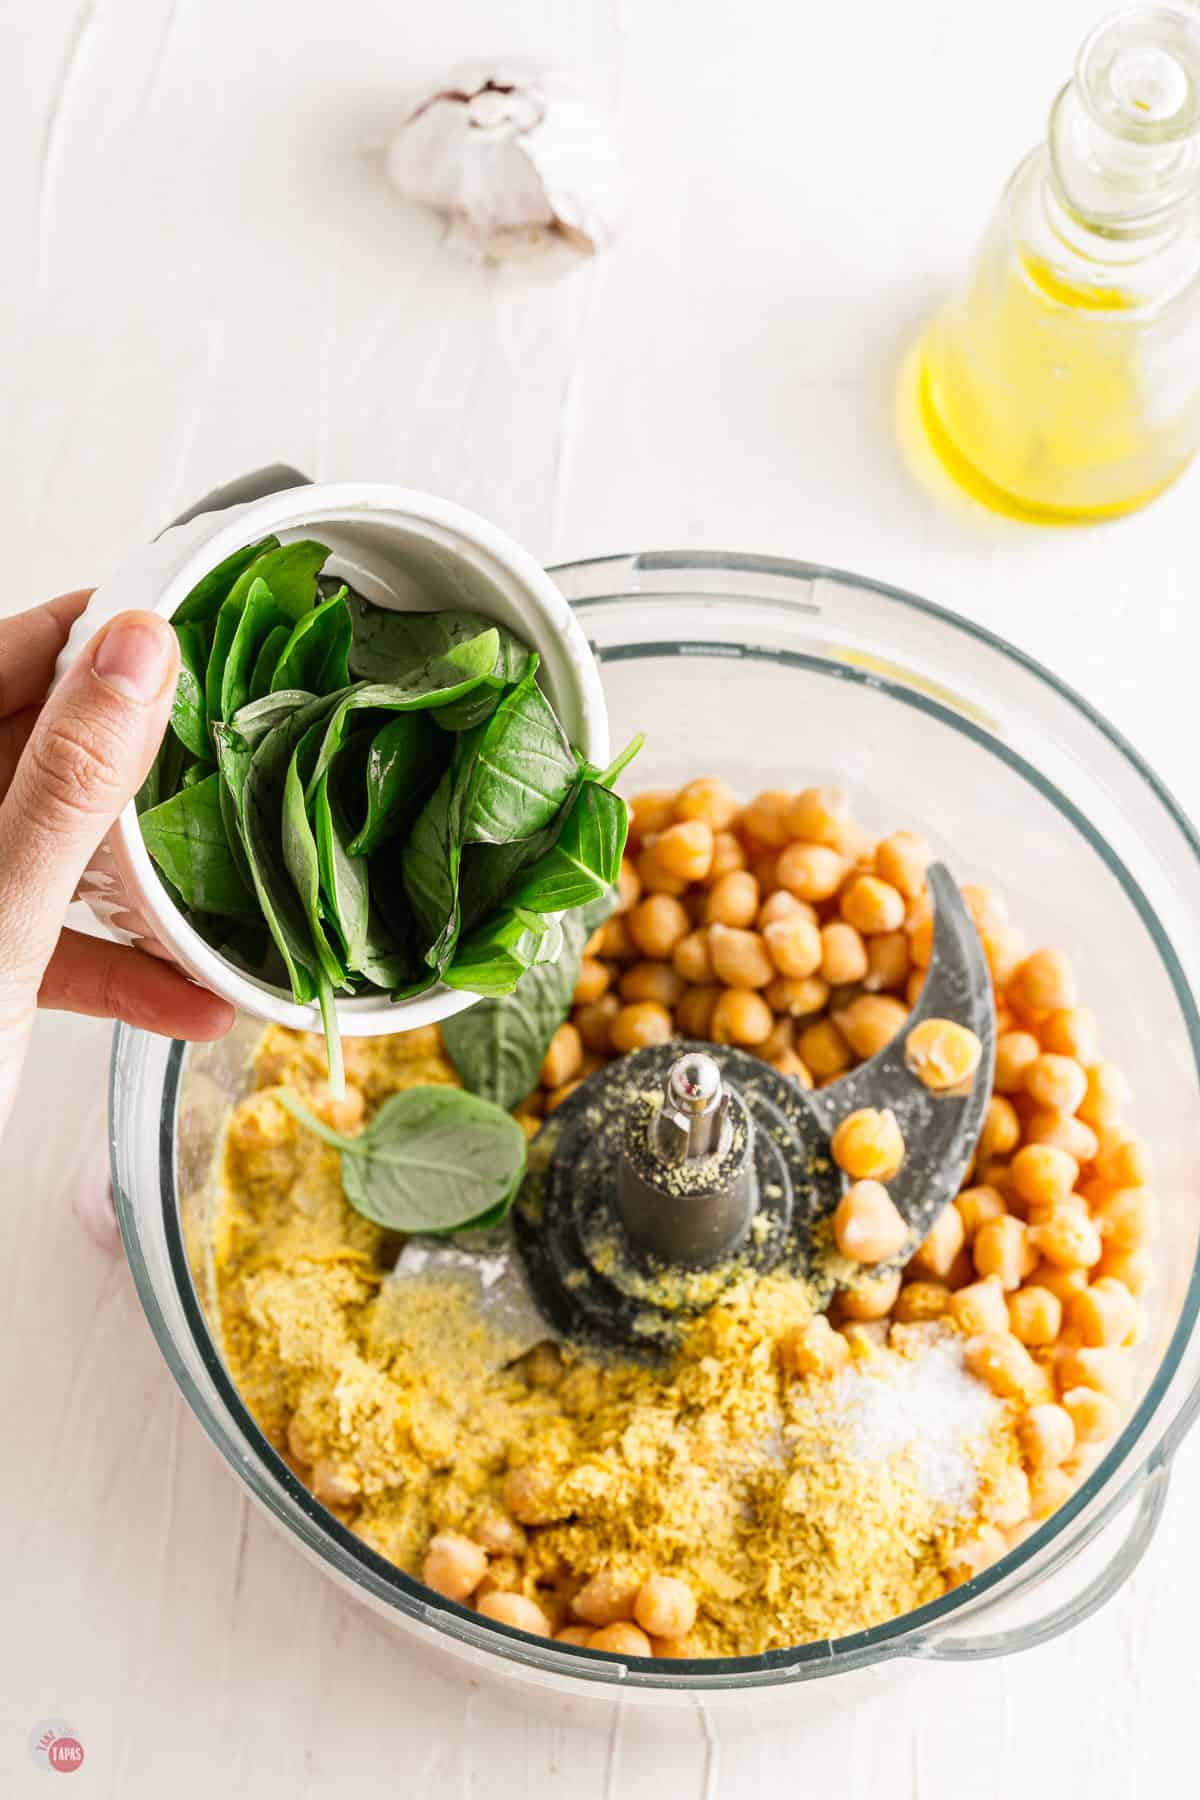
{"type": "Point", "coordinates": [782, 927]}
{"type": "Point", "coordinates": [651, 1617]}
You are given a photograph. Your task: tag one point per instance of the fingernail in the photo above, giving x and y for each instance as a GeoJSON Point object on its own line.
{"type": "Point", "coordinates": [134, 658]}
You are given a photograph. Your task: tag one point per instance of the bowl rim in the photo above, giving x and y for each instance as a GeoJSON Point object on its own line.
{"type": "Point", "coordinates": [909, 1632]}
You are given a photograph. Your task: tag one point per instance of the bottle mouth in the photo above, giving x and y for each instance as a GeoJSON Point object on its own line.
{"type": "Point", "coordinates": [1125, 133]}
{"type": "Point", "coordinates": [1138, 76]}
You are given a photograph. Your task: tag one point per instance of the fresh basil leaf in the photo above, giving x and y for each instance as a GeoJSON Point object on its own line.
{"type": "Point", "coordinates": [609, 777]}
{"type": "Point", "coordinates": [442, 678]}
{"type": "Point", "coordinates": [197, 769]}
{"type": "Point", "coordinates": [213, 589]}
{"type": "Point", "coordinates": [186, 837]}
{"type": "Point", "coordinates": [267, 661]}
{"type": "Point", "coordinates": [493, 958]}
{"type": "Point", "coordinates": [430, 863]}
{"type": "Point", "coordinates": [189, 720]}
{"type": "Point", "coordinates": [524, 769]}
{"type": "Point", "coordinates": [290, 571]}
{"type": "Point", "coordinates": [261, 614]}
{"type": "Point", "coordinates": [433, 1159]}
{"type": "Point", "coordinates": [478, 707]}
{"type": "Point", "coordinates": [373, 950]}
{"type": "Point", "coordinates": [254, 721]}
{"type": "Point", "coordinates": [498, 1046]}
{"type": "Point", "coordinates": [389, 645]}
{"type": "Point", "coordinates": [585, 859]}
{"type": "Point", "coordinates": [315, 654]}
{"type": "Point", "coordinates": [299, 846]}
{"type": "Point", "coordinates": [405, 761]}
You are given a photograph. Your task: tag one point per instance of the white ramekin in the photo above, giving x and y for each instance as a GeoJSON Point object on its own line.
{"type": "Point", "coordinates": [400, 549]}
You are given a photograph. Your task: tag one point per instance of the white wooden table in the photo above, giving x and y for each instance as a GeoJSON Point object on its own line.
{"type": "Point", "coordinates": [206, 272]}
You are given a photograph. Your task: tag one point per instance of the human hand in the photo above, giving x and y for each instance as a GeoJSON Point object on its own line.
{"type": "Point", "coordinates": [68, 764]}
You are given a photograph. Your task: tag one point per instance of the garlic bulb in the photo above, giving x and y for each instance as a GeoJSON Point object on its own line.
{"type": "Point", "coordinates": [516, 157]}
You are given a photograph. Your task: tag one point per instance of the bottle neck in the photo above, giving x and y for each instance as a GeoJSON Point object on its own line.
{"type": "Point", "coordinates": [1124, 136]}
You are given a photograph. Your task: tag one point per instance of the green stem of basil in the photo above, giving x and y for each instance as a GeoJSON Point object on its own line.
{"type": "Point", "coordinates": [616, 769]}
{"type": "Point", "coordinates": [333, 1040]}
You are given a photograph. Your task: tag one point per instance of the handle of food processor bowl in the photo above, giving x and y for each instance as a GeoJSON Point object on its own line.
{"type": "Point", "coordinates": [276, 478]}
{"type": "Point", "coordinates": [1099, 1591]}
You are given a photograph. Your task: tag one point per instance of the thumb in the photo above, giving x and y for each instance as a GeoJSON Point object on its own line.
{"type": "Point", "coordinates": [86, 757]}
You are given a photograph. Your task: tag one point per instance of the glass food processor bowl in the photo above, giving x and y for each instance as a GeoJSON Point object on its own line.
{"type": "Point", "coordinates": [781, 674]}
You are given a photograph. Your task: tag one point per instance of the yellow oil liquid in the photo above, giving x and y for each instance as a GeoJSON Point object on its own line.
{"type": "Point", "coordinates": [1032, 393]}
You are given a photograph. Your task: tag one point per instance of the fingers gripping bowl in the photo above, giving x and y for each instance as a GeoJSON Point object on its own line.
{"type": "Point", "coordinates": [800, 675]}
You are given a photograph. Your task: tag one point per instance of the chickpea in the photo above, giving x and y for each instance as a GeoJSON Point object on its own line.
{"type": "Point", "coordinates": [823, 1048]}
{"type": "Point", "coordinates": [919, 1301]}
{"type": "Point", "coordinates": [781, 905]}
{"type": "Point", "coordinates": [673, 1647]}
{"type": "Point", "coordinates": [710, 799]}
{"type": "Point", "coordinates": [973, 1554]}
{"type": "Point", "coordinates": [941, 1054]}
{"type": "Point", "coordinates": [740, 1016]}
{"type": "Point", "coordinates": [665, 1607]}
{"type": "Point", "coordinates": [765, 870]}
{"type": "Point", "coordinates": [1005, 948]}
{"type": "Point", "coordinates": [617, 944]}
{"type": "Point", "coordinates": [975, 1205]}
{"type": "Point", "coordinates": [497, 1533]}
{"type": "Point", "coordinates": [739, 958]}
{"type": "Point", "coordinates": [1093, 1415]}
{"type": "Point", "coordinates": [942, 1244]}
{"type": "Point", "coordinates": [1105, 1368]}
{"type": "Point", "coordinates": [1048, 1488]}
{"type": "Point", "coordinates": [763, 821]}
{"type": "Point", "coordinates": [902, 860]}
{"type": "Point", "coordinates": [653, 877]}
{"type": "Point", "coordinates": [887, 961]}
{"type": "Point", "coordinates": [691, 960]}
{"type": "Point", "coordinates": [1009, 1502]}
{"type": "Point", "coordinates": [1059, 1281]}
{"type": "Point", "coordinates": [605, 1599]}
{"type": "Point", "coordinates": [593, 1022]}
{"type": "Point", "coordinates": [1055, 1081]}
{"type": "Point", "coordinates": [794, 945]}
{"type": "Point", "coordinates": [1107, 1096]}
{"type": "Point", "coordinates": [798, 998]}
{"type": "Point", "coordinates": [562, 1059]}
{"type": "Point", "coordinates": [843, 954]}
{"type": "Point", "coordinates": [517, 1611]}
{"type": "Point", "coordinates": [643, 1023]}
{"type": "Point", "coordinates": [579, 1635]}
{"type": "Point", "coordinates": [872, 905]}
{"type": "Point", "coordinates": [818, 815]}
{"type": "Point", "coordinates": [694, 1013]}
{"type": "Point", "coordinates": [653, 981]}
{"type": "Point", "coordinates": [629, 887]}
{"type": "Point", "coordinates": [1001, 1248]}
{"type": "Point", "coordinates": [734, 899]}
{"type": "Point", "coordinates": [1047, 1435]}
{"type": "Point", "coordinates": [335, 1483]}
{"type": "Point", "coordinates": [1001, 1129]}
{"type": "Point", "coordinates": [1035, 1315]}
{"type": "Point", "coordinates": [1003, 1362]}
{"type": "Point", "coordinates": [979, 1307]}
{"type": "Point", "coordinates": [1071, 1031]}
{"type": "Point", "coordinates": [1124, 1162]}
{"type": "Point", "coordinates": [1042, 1174]}
{"type": "Point", "coordinates": [1063, 1131]}
{"type": "Point", "coordinates": [530, 1494]}
{"type": "Point", "coordinates": [918, 924]}
{"type": "Point", "coordinates": [650, 812]}
{"type": "Point", "coordinates": [789, 1064]}
{"type": "Point", "coordinates": [685, 850]}
{"type": "Point", "coordinates": [657, 924]}
{"type": "Point", "coordinates": [728, 855]}
{"type": "Point", "coordinates": [1046, 981]}
{"type": "Point", "coordinates": [813, 1349]}
{"type": "Point", "coordinates": [621, 1639]}
{"type": "Point", "coordinates": [810, 871]}
{"type": "Point", "coordinates": [1104, 1313]}
{"type": "Point", "coordinates": [1124, 1217]}
{"type": "Point", "coordinates": [1016, 1051]}
{"type": "Point", "coordinates": [1067, 1239]}
{"type": "Point", "coordinates": [1132, 1268]}
{"type": "Point", "coordinates": [868, 1145]}
{"type": "Point", "coordinates": [867, 1225]}
{"type": "Point", "coordinates": [871, 1297]}
{"type": "Point", "coordinates": [453, 1566]}
{"type": "Point", "coordinates": [870, 1023]}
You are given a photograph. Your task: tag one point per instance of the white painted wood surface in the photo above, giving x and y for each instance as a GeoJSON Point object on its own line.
{"type": "Point", "coordinates": [206, 272]}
